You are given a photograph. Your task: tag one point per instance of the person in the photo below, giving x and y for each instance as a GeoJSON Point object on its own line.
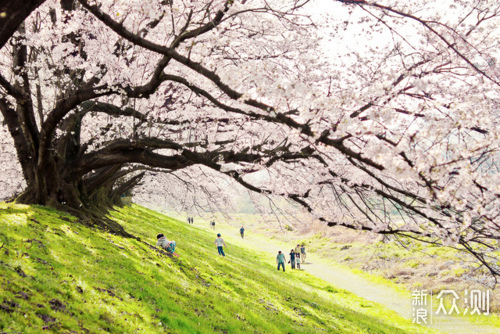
{"type": "Point", "coordinates": [192, 220]}
{"type": "Point", "coordinates": [213, 224]}
{"type": "Point", "coordinates": [167, 245]}
{"type": "Point", "coordinates": [298, 261]}
{"type": "Point", "coordinates": [303, 253]}
{"type": "Point", "coordinates": [297, 249]}
{"type": "Point", "coordinates": [292, 258]}
{"type": "Point", "coordinates": [219, 242]}
{"type": "Point", "coordinates": [280, 260]}
{"type": "Point", "coordinates": [242, 231]}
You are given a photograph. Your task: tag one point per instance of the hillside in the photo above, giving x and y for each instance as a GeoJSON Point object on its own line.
{"type": "Point", "coordinates": [402, 265]}
{"type": "Point", "coordinates": [63, 277]}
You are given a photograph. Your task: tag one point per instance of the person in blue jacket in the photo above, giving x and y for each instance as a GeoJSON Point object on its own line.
{"type": "Point", "coordinates": [280, 260]}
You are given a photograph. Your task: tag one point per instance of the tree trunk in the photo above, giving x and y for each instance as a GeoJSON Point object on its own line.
{"type": "Point", "coordinates": [54, 188]}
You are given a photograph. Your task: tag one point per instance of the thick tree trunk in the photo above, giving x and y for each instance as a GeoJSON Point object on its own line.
{"type": "Point", "coordinates": [54, 188]}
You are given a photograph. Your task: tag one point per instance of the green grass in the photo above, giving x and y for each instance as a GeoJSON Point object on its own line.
{"type": "Point", "coordinates": [63, 277]}
{"type": "Point", "coordinates": [359, 254]}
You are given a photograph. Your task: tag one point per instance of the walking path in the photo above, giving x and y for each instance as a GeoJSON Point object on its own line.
{"type": "Point", "coordinates": [345, 279]}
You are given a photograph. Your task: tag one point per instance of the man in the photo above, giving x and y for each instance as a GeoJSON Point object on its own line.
{"type": "Point", "coordinates": [303, 253]}
{"type": "Point", "coordinates": [242, 231]}
{"type": "Point", "coordinates": [219, 242]}
{"type": "Point", "coordinates": [292, 258]}
{"type": "Point", "coordinates": [280, 260]}
{"type": "Point", "coordinates": [213, 224]}
{"type": "Point", "coordinates": [297, 249]}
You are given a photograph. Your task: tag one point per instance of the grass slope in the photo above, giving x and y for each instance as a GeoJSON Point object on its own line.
{"type": "Point", "coordinates": [61, 277]}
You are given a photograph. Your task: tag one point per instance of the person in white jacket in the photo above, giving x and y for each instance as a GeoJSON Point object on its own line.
{"type": "Point", "coordinates": [219, 242]}
{"type": "Point", "coordinates": [167, 245]}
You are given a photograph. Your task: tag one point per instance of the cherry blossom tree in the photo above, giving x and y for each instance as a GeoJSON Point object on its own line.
{"type": "Point", "coordinates": [373, 115]}
{"type": "Point", "coordinates": [12, 14]}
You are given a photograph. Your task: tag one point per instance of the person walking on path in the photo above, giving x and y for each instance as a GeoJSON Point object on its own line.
{"type": "Point", "coordinates": [297, 250]}
{"type": "Point", "coordinates": [213, 224]}
{"type": "Point", "coordinates": [292, 258]}
{"type": "Point", "coordinates": [303, 253]}
{"type": "Point", "coordinates": [298, 261]}
{"type": "Point", "coordinates": [242, 232]}
{"type": "Point", "coordinates": [280, 260]}
{"type": "Point", "coordinates": [219, 242]}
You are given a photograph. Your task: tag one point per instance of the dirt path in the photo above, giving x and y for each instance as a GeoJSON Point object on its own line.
{"type": "Point", "coordinates": [358, 285]}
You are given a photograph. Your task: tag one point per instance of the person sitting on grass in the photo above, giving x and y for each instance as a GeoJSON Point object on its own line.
{"type": "Point", "coordinates": [280, 260]}
{"type": "Point", "coordinates": [167, 245]}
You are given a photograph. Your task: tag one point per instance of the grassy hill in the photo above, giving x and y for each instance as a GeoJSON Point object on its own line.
{"type": "Point", "coordinates": [59, 276]}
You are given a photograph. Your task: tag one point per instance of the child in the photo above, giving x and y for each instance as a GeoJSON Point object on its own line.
{"type": "Point", "coordinates": [167, 245]}
{"type": "Point", "coordinates": [297, 259]}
